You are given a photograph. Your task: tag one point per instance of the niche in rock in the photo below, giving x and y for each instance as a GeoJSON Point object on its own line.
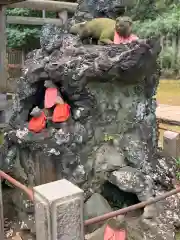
{"type": "Point", "coordinates": [117, 198]}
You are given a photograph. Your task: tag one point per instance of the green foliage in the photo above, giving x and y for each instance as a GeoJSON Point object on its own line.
{"type": "Point", "coordinates": [24, 36]}
{"type": "Point", "coordinates": [108, 137]}
{"type": "Point", "coordinates": [144, 9]}
{"type": "Point", "coordinates": [166, 24]}
{"type": "Point", "coordinates": [178, 162]}
{"type": "Point", "coordinates": [165, 21]}
{"type": "Point", "coordinates": [151, 9]}
{"type": "Point", "coordinates": [178, 176]}
{"type": "Point", "coordinates": [23, 12]}
{"type": "Point", "coordinates": [170, 61]}
{"type": "Point", "coordinates": [166, 57]}
{"type": "Point", "coordinates": [18, 38]}
{"type": "Point", "coordinates": [178, 169]}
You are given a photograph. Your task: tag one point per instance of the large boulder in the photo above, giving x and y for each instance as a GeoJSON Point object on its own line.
{"type": "Point", "coordinates": [95, 206]}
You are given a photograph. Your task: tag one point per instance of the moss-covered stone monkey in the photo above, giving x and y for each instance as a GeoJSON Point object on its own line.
{"type": "Point", "coordinates": [103, 29]}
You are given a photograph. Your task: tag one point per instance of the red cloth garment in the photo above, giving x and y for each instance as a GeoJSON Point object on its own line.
{"type": "Point", "coordinates": [118, 39]}
{"type": "Point", "coordinates": [37, 124]}
{"type": "Point", "coordinates": [50, 97]}
{"type": "Point", "coordinates": [111, 234]}
{"type": "Point", "coordinates": [61, 113]}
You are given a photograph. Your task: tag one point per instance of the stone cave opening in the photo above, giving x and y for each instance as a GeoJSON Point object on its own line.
{"type": "Point", "coordinates": [117, 198]}
{"type": "Point", "coordinates": [38, 99]}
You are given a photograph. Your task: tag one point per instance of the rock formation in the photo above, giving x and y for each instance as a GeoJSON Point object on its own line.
{"type": "Point", "coordinates": [111, 135]}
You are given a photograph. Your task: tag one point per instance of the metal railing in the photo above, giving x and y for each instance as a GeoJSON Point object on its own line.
{"type": "Point", "coordinates": [104, 217]}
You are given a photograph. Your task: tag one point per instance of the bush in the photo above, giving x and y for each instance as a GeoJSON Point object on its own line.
{"type": "Point", "coordinates": [18, 38]}
{"type": "Point", "coordinates": [166, 57]}
{"type": "Point", "coordinates": [169, 64]}
{"type": "Point", "coordinates": [24, 36]}
{"type": "Point", "coordinates": [166, 24]}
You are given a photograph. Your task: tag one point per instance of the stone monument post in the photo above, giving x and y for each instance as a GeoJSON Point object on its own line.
{"type": "Point", "coordinates": [59, 211]}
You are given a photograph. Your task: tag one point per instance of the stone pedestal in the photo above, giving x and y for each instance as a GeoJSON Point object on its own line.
{"type": "Point", "coordinates": [171, 143]}
{"type": "Point", "coordinates": [59, 211]}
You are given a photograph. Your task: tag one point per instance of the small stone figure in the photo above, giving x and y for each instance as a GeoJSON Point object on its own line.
{"type": "Point", "coordinates": [61, 113]}
{"type": "Point", "coordinates": [38, 121]}
{"type": "Point", "coordinates": [123, 31]}
{"type": "Point", "coordinates": [53, 98]}
{"type": "Point", "coordinates": [36, 112]}
{"type": "Point", "coordinates": [49, 84]}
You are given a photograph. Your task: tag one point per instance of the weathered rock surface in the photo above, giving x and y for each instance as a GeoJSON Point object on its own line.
{"type": "Point", "coordinates": [112, 132]}
{"type": "Point", "coordinates": [132, 180]}
{"type": "Point", "coordinates": [95, 206]}
{"type": "Point", "coordinates": [108, 159]}
{"type": "Point", "coordinates": [108, 8]}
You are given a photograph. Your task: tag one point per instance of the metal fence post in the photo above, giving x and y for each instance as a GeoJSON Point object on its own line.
{"type": "Point", "coordinates": [1, 214]}
{"type": "Point", "coordinates": [59, 211]}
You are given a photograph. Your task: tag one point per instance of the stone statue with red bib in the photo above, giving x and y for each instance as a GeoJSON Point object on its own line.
{"type": "Point", "coordinates": [123, 31]}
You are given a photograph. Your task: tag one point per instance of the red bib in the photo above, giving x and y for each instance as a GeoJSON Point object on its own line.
{"type": "Point", "coordinates": [118, 39]}
{"type": "Point", "coordinates": [50, 97]}
{"type": "Point", "coordinates": [61, 113]}
{"type": "Point", "coordinates": [37, 124]}
{"type": "Point", "coordinates": [111, 234]}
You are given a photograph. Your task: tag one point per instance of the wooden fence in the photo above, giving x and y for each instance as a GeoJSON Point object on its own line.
{"type": "Point", "coordinates": [15, 60]}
